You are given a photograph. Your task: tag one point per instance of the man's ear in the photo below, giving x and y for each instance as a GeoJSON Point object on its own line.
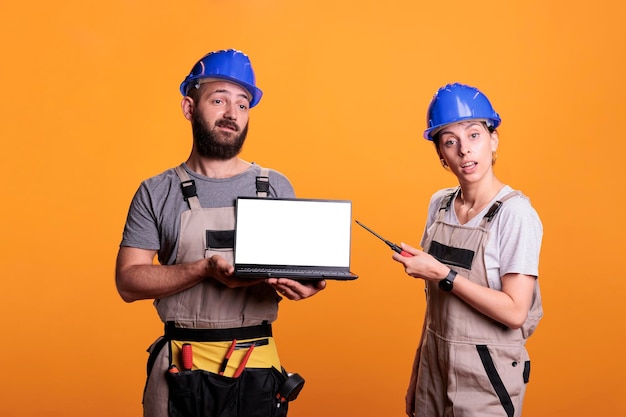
{"type": "Point", "coordinates": [187, 107]}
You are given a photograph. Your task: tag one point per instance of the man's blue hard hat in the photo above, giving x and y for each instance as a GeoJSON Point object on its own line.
{"type": "Point", "coordinates": [229, 65]}
{"type": "Point", "coordinates": [457, 102]}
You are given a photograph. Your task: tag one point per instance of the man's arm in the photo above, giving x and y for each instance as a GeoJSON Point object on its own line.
{"type": "Point", "coordinates": [137, 278]}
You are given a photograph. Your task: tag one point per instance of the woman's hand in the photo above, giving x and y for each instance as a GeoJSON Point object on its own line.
{"type": "Point", "coordinates": [421, 264]}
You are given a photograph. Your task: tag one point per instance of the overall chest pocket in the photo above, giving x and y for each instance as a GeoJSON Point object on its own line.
{"type": "Point", "coordinates": [219, 240]}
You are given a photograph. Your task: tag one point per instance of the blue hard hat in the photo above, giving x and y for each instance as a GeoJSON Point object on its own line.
{"type": "Point", "coordinates": [230, 65]}
{"type": "Point", "coordinates": [456, 102]}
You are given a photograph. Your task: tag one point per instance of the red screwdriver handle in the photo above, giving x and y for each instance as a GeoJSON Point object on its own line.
{"type": "Point", "coordinates": [187, 357]}
{"type": "Point", "coordinates": [399, 250]}
{"type": "Point", "coordinates": [244, 361]}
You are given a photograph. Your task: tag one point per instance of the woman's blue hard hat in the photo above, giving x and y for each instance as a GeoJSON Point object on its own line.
{"type": "Point", "coordinates": [229, 65]}
{"type": "Point", "coordinates": [457, 102]}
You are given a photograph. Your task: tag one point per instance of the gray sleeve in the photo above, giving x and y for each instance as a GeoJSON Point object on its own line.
{"type": "Point", "coordinates": [140, 230]}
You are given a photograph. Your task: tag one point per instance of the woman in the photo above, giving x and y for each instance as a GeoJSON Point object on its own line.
{"type": "Point", "coordinates": [480, 266]}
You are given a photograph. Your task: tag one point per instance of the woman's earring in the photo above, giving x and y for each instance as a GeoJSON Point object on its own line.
{"type": "Point", "coordinates": [494, 158]}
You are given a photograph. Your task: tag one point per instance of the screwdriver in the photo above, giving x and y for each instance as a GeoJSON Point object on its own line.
{"type": "Point", "coordinates": [244, 361]}
{"type": "Point", "coordinates": [392, 245]}
{"type": "Point", "coordinates": [229, 352]}
{"type": "Point", "coordinates": [187, 357]}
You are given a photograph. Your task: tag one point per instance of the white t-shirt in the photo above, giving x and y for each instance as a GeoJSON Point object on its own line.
{"type": "Point", "coordinates": [514, 237]}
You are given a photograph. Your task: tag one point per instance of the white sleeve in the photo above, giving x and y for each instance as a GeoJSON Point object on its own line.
{"type": "Point", "coordinates": [519, 234]}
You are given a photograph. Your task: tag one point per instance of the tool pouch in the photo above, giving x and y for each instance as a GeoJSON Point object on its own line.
{"type": "Point", "coordinates": [254, 393]}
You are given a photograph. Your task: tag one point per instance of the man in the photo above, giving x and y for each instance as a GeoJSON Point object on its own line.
{"type": "Point", "coordinates": [185, 216]}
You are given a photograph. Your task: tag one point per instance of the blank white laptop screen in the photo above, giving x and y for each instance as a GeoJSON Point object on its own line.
{"type": "Point", "coordinates": [293, 233]}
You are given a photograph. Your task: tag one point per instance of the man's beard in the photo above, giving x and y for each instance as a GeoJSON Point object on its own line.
{"type": "Point", "coordinates": [217, 144]}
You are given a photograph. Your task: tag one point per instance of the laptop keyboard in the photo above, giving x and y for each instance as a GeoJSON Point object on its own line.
{"type": "Point", "coordinates": [277, 272]}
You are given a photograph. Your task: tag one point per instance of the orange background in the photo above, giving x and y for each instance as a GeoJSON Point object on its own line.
{"type": "Point", "coordinates": [90, 108]}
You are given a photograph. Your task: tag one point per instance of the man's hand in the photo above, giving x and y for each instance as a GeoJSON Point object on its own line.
{"type": "Point", "coordinates": [222, 271]}
{"type": "Point", "coordinates": [137, 278]}
{"type": "Point", "coordinates": [296, 290]}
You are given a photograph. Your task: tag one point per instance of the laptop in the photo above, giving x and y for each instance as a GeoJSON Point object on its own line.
{"type": "Point", "coordinates": [294, 238]}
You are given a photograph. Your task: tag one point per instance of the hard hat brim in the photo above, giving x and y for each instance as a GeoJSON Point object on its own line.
{"type": "Point", "coordinates": [431, 132]}
{"type": "Point", "coordinates": [254, 92]}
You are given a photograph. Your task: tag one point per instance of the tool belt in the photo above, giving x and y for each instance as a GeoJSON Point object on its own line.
{"type": "Point", "coordinates": [248, 392]}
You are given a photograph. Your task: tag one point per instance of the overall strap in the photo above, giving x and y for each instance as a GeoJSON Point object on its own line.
{"type": "Point", "coordinates": [446, 202]}
{"type": "Point", "coordinates": [495, 208]}
{"type": "Point", "coordinates": [263, 183]}
{"type": "Point", "coordinates": [188, 187]}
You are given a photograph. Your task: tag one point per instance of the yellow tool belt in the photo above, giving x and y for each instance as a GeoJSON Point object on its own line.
{"type": "Point", "coordinates": [237, 376]}
{"type": "Point", "coordinates": [210, 348]}
{"type": "Point", "coordinates": [209, 356]}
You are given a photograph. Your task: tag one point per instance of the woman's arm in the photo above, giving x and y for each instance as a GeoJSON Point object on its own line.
{"type": "Point", "coordinates": [509, 306]}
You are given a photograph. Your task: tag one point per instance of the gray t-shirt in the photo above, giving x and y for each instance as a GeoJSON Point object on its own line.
{"type": "Point", "coordinates": [153, 220]}
{"type": "Point", "coordinates": [514, 237]}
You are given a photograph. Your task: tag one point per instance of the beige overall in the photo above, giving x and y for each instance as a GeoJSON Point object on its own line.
{"type": "Point", "coordinates": [469, 364]}
{"type": "Point", "coordinates": [209, 304]}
